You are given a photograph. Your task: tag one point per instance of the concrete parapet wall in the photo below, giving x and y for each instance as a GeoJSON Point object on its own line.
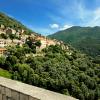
{"type": "Point", "coordinates": [9, 94]}
{"type": "Point", "coordinates": [14, 90]}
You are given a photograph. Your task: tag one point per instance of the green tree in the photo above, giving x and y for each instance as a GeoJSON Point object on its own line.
{"type": "Point", "coordinates": [38, 43]}
{"type": "Point", "coordinates": [12, 36]}
{"type": "Point", "coordinates": [2, 61]}
{"type": "Point", "coordinates": [4, 36]}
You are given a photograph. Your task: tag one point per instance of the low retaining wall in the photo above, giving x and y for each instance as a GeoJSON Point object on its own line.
{"type": "Point", "coordinates": [14, 90]}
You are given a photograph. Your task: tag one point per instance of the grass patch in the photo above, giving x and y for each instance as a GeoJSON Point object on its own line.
{"type": "Point", "coordinates": [5, 73]}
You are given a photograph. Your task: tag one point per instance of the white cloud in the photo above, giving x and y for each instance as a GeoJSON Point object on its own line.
{"type": "Point", "coordinates": [59, 27]}
{"type": "Point", "coordinates": [77, 13]}
{"type": "Point", "coordinates": [97, 14]}
{"type": "Point", "coordinates": [65, 27]}
{"type": "Point", "coordinates": [94, 18]}
{"type": "Point", "coordinates": [54, 26]}
{"type": "Point", "coordinates": [86, 16]}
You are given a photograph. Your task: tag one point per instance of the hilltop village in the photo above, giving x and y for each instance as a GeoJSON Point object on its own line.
{"type": "Point", "coordinates": [11, 37]}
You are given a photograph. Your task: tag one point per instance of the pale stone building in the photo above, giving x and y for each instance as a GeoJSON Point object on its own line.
{"type": "Point", "coordinates": [2, 26]}
{"type": "Point", "coordinates": [50, 42]}
{"type": "Point", "coordinates": [4, 42]}
{"type": "Point", "coordinates": [45, 42]}
{"type": "Point", "coordinates": [9, 42]}
{"type": "Point", "coordinates": [22, 31]}
{"type": "Point", "coordinates": [17, 42]}
{"type": "Point", "coordinates": [1, 31]}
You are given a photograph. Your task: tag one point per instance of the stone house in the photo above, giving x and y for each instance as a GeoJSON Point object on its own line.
{"type": "Point", "coordinates": [45, 42]}
{"type": "Point", "coordinates": [2, 26]}
{"type": "Point", "coordinates": [17, 42]}
{"type": "Point", "coordinates": [9, 42]}
{"type": "Point", "coordinates": [4, 42]}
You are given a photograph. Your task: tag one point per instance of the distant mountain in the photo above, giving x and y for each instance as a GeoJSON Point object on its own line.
{"type": "Point", "coordinates": [85, 39]}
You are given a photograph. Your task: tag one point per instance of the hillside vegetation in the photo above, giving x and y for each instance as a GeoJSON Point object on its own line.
{"type": "Point", "coordinates": [12, 23]}
{"type": "Point", "coordinates": [64, 70]}
{"type": "Point", "coordinates": [5, 73]}
{"type": "Point", "coordinates": [56, 70]}
{"type": "Point", "coordinates": [85, 39]}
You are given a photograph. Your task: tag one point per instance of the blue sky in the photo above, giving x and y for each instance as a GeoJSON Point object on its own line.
{"type": "Point", "coordinates": [49, 16]}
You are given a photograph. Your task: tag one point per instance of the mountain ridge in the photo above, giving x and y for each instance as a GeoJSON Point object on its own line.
{"type": "Point", "coordinates": [76, 35]}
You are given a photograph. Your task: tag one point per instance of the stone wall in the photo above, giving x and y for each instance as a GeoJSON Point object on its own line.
{"type": "Point", "coordinates": [14, 90]}
{"type": "Point", "coordinates": [9, 94]}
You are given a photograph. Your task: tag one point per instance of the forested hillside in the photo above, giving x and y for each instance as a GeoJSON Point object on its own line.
{"type": "Point", "coordinates": [12, 23]}
{"type": "Point", "coordinates": [56, 70]}
{"type": "Point", "coordinates": [85, 39]}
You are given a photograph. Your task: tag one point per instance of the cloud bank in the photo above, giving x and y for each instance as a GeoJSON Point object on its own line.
{"type": "Point", "coordinates": [54, 26]}
{"type": "Point", "coordinates": [77, 13]}
{"type": "Point", "coordinates": [59, 27]}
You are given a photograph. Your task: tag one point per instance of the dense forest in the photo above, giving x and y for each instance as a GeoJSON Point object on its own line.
{"type": "Point", "coordinates": [56, 70]}
{"type": "Point", "coordinates": [66, 71]}
{"type": "Point", "coordinates": [85, 39]}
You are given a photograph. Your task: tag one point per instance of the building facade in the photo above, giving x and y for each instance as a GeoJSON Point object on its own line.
{"type": "Point", "coordinates": [2, 51]}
